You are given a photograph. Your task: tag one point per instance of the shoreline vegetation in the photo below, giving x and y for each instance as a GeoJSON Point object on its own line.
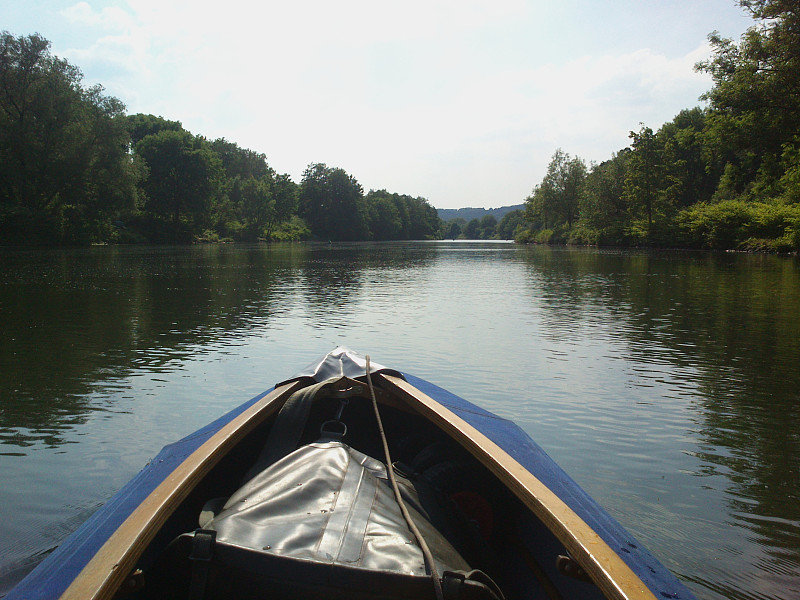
{"type": "Point", "coordinates": [724, 177]}
{"type": "Point", "coordinates": [75, 169]}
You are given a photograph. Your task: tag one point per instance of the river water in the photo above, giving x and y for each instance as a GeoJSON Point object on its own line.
{"type": "Point", "coordinates": [666, 383]}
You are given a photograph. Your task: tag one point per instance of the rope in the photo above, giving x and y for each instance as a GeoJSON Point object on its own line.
{"type": "Point", "coordinates": [426, 552]}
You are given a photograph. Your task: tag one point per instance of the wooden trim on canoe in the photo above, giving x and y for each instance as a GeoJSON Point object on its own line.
{"type": "Point", "coordinates": [105, 572]}
{"type": "Point", "coordinates": [609, 572]}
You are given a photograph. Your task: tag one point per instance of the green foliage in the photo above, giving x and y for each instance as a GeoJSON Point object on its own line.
{"type": "Point", "coordinates": [140, 126]}
{"type": "Point", "coordinates": [332, 203]}
{"type": "Point", "coordinates": [755, 100]}
{"type": "Point", "coordinates": [555, 204]}
{"type": "Point", "coordinates": [541, 236]}
{"type": "Point", "coordinates": [472, 231]}
{"type": "Point", "coordinates": [484, 228]}
{"type": "Point", "coordinates": [75, 169]}
{"type": "Point", "coordinates": [400, 217]}
{"type": "Point", "coordinates": [184, 179]}
{"type": "Point", "coordinates": [287, 194]}
{"type": "Point", "coordinates": [384, 218]}
{"type": "Point", "coordinates": [507, 227]}
{"type": "Point", "coordinates": [604, 209]}
{"type": "Point", "coordinates": [254, 205]}
{"type": "Point", "coordinates": [241, 162]}
{"type": "Point", "coordinates": [64, 169]}
{"type": "Point", "coordinates": [209, 236]}
{"type": "Point", "coordinates": [743, 225]}
{"type": "Point", "coordinates": [488, 227]}
{"type": "Point", "coordinates": [723, 177]}
{"type": "Point", "coordinates": [293, 229]}
{"type": "Point", "coordinates": [790, 180]}
{"type": "Point", "coordinates": [556, 200]}
{"type": "Point", "coordinates": [643, 177]}
{"type": "Point", "coordinates": [688, 177]}
{"type": "Point", "coordinates": [453, 229]}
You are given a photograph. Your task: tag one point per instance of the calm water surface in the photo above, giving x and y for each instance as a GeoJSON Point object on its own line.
{"type": "Point", "coordinates": [666, 384]}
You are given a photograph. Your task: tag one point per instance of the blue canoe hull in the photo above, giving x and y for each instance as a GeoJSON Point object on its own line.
{"type": "Point", "coordinates": [57, 572]}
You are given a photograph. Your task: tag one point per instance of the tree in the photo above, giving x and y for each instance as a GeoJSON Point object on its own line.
{"type": "Point", "coordinates": [453, 229]}
{"type": "Point", "coordinates": [472, 231]}
{"type": "Point", "coordinates": [604, 209]}
{"type": "Point", "coordinates": [556, 201]}
{"type": "Point", "coordinates": [331, 202]}
{"type": "Point", "coordinates": [488, 225]}
{"type": "Point", "coordinates": [385, 222]}
{"type": "Point", "coordinates": [400, 217]}
{"type": "Point", "coordinates": [643, 174]}
{"type": "Point", "coordinates": [64, 168]}
{"type": "Point", "coordinates": [286, 193]}
{"type": "Point", "coordinates": [254, 205]}
{"type": "Point", "coordinates": [184, 179]}
{"type": "Point", "coordinates": [423, 222]}
{"type": "Point", "coordinates": [507, 227]}
{"type": "Point", "coordinates": [141, 125]}
{"type": "Point", "coordinates": [688, 175]}
{"type": "Point", "coordinates": [752, 128]}
{"type": "Point", "coordinates": [241, 162]}
{"type": "Point", "coordinates": [537, 206]}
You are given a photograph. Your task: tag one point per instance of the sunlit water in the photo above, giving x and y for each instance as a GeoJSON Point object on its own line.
{"type": "Point", "coordinates": [666, 384]}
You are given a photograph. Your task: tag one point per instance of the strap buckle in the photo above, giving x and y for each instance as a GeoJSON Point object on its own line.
{"type": "Point", "coordinates": [203, 545]}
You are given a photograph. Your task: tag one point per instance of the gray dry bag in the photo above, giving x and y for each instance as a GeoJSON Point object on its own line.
{"type": "Point", "coordinates": [322, 522]}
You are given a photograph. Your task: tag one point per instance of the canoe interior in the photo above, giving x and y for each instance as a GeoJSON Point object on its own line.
{"type": "Point", "coordinates": [492, 529]}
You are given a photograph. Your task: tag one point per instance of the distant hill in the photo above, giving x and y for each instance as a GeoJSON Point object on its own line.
{"type": "Point", "coordinates": [448, 214]}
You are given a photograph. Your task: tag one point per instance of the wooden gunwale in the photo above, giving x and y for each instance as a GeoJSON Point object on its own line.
{"type": "Point", "coordinates": [609, 572]}
{"type": "Point", "coordinates": [105, 572]}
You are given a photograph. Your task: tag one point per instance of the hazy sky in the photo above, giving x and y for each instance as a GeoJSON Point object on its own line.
{"type": "Point", "coordinates": [462, 102]}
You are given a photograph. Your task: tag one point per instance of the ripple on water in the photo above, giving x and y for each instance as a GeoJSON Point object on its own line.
{"type": "Point", "coordinates": [666, 384]}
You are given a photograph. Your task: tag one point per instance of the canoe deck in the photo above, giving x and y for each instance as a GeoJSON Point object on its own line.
{"type": "Point", "coordinates": [506, 507]}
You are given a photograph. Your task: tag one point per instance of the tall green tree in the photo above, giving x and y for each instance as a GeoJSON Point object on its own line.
{"type": "Point", "coordinates": [556, 201]}
{"type": "Point", "coordinates": [65, 172]}
{"type": "Point", "coordinates": [241, 162]}
{"type": "Point", "coordinates": [643, 176]}
{"type": "Point", "coordinates": [604, 208]}
{"type": "Point", "coordinates": [286, 193]}
{"type": "Point", "coordinates": [141, 125]}
{"type": "Point", "coordinates": [472, 230]}
{"type": "Point", "coordinates": [401, 217]}
{"type": "Point", "coordinates": [331, 202]}
{"type": "Point", "coordinates": [508, 225]}
{"type": "Point", "coordinates": [754, 125]}
{"type": "Point", "coordinates": [688, 176]}
{"type": "Point", "coordinates": [453, 229]}
{"type": "Point", "coordinates": [184, 180]}
{"type": "Point", "coordinates": [384, 218]}
{"type": "Point", "coordinates": [254, 204]}
{"type": "Point", "coordinates": [488, 227]}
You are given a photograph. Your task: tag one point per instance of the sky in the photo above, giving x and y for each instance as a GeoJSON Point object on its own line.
{"type": "Point", "coordinates": [462, 102]}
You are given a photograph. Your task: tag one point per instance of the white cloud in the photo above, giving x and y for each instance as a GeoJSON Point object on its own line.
{"type": "Point", "coordinates": [414, 96]}
{"type": "Point", "coordinates": [109, 17]}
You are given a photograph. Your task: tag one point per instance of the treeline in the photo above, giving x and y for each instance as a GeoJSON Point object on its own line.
{"type": "Point", "coordinates": [725, 177]}
{"type": "Point", "coordinates": [485, 228]}
{"type": "Point", "coordinates": [76, 169]}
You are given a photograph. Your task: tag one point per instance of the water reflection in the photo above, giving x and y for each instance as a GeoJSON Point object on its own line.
{"type": "Point", "coordinates": [677, 373]}
{"type": "Point", "coordinates": [76, 321]}
{"type": "Point", "coordinates": [730, 323]}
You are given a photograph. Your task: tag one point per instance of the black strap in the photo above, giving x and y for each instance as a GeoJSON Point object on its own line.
{"type": "Point", "coordinates": [286, 430]}
{"type": "Point", "coordinates": [202, 553]}
{"type": "Point", "coordinates": [472, 585]}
